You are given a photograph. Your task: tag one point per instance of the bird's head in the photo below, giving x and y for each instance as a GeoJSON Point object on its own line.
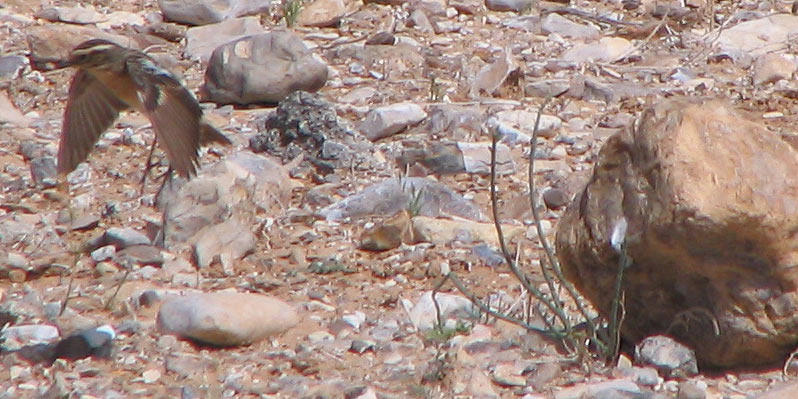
{"type": "Point", "coordinates": [93, 53]}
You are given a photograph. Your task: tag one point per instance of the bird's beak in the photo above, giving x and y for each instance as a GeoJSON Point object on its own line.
{"type": "Point", "coordinates": [47, 64]}
{"type": "Point", "coordinates": [62, 63]}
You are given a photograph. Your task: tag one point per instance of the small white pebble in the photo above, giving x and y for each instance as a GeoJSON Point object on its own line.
{"type": "Point", "coordinates": [671, 386]}
{"type": "Point", "coordinates": [392, 359]}
{"type": "Point", "coordinates": [773, 115]}
{"type": "Point", "coordinates": [151, 376]}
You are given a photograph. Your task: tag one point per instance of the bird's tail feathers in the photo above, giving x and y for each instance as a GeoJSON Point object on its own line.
{"type": "Point", "coordinates": [209, 134]}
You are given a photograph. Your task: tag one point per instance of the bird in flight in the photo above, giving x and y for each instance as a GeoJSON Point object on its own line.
{"type": "Point", "coordinates": [111, 78]}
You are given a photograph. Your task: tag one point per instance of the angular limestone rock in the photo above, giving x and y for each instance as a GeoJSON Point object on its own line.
{"type": "Point", "coordinates": [215, 211]}
{"type": "Point", "coordinates": [390, 196]}
{"type": "Point", "coordinates": [705, 202]}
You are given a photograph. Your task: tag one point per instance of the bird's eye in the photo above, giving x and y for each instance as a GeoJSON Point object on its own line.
{"type": "Point", "coordinates": [78, 58]}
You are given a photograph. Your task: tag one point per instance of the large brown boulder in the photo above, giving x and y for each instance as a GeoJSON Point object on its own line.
{"type": "Point", "coordinates": [710, 200]}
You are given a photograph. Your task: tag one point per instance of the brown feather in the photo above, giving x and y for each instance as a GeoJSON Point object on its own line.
{"type": "Point", "coordinates": [177, 129]}
{"type": "Point", "coordinates": [210, 134]}
{"type": "Point", "coordinates": [91, 109]}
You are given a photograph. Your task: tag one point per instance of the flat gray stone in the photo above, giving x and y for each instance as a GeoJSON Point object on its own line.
{"type": "Point", "coordinates": [556, 23]}
{"type": "Point", "coordinates": [123, 237]}
{"type": "Point", "coordinates": [667, 355]}
{"type": "Point", "coordinates": [508, 5]}
{"type": "Point", "coordinates": [11, 66]}
{"type": "Point", "coordinates": [202, 12]}
{"type": "Point", "coordinates": [390, 196]}
{"type": "Point", "coordinates": [391, 119]}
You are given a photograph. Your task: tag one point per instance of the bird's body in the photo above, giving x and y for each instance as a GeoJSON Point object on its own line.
{"type": "Point", "coordinates": [110, 79]}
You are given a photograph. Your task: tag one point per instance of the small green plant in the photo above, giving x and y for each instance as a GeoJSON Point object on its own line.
{"type": "Point", "coordinates": [416, 200]}
{"type": "Point", "coordinates": [439, 334]}
{"type": "Point", "coordinates": [328, 266]}
{"type": "Point", "coordinates": [291, 10]}
{"type": "Point", "coordinates": [442, 334]}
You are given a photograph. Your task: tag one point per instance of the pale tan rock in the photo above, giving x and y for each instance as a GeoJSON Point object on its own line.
{"type": "Point", "coordinates": [770, 68]}
{"type": "Point", "coordinates": [556, 23]}
{"type": "Point", "coordinates": [696, 3]}
{"type": "Point", "coordinates": [9, 112]}
{"type": "Point", "coordinates": [784, 391]}
{"type": "Point", "coordinates": [226, 318]}
{"type": "Point", "coordinates": [359, 96]}
{"type": "Point", "coordinates": [471, 7]}
{"type": "Point", "coordinates": [704, 201]}
{"type": "Point", "coordinates": [491, 76]}
{"type": "Point", "coordinates": [202, 12]}
{"type": "Point", "coordinates": [622, 388]}
{"type": "Point", "coordinates": [321, 13]}
{"type": "Point", "coordinates": [75, 15]}
{"type": "Point", "coordinates": [227, 240]}
{"type": "Point", "coordinates": [202, 40]}
{"type": "Point", "coordinates": [756, 37]}
{"type": "Point", "coordinates": [391, 119]}
{"type": "Point", "coordinates": [57, 39]}
{"type": "Point", "coordinates": [607, 49]}
{"type": "Point", "coordinates": [121, 18]}
{"type": "Point", "coordinates": [430, 7]}
{"type": "Point", "coordinates": [231, 189]}
{"type": "Point", "coordinates": [443, 231]}
{"type": "Point", "coordinates": [423, 313]}
{"type": "Point", "coordinates": [524, 120]}
{"type": "Point", "coordinates": [480, 387]}
{"type": "Point", "coordinates": [420, 21]}
{"type": "Point", "coordinates": [476, 158]}
{"type": "Point", "coordinates": [508, 375]}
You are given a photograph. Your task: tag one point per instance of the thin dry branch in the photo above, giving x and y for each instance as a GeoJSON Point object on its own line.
{"type": "Point", "coordinates": [487, 309]}
{"type": "Point", "coordinates": [554, 306]}
{"type": "Point", "coordinates": [555, 265]}
{"type": "Point", "coordinates": [585, 15]}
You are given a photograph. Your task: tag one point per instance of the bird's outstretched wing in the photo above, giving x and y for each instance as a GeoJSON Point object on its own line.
{"type": "Point", "coordinates": [91, 109]}
{"type": "Point", "coordinates": [173, 111]}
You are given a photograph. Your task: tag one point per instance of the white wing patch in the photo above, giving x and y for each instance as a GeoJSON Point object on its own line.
{"type": "Point", "coordinates": [151, 68]}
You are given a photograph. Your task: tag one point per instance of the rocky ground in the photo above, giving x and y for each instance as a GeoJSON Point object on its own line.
{"type": "Point", "coordinates": [363, 332]}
